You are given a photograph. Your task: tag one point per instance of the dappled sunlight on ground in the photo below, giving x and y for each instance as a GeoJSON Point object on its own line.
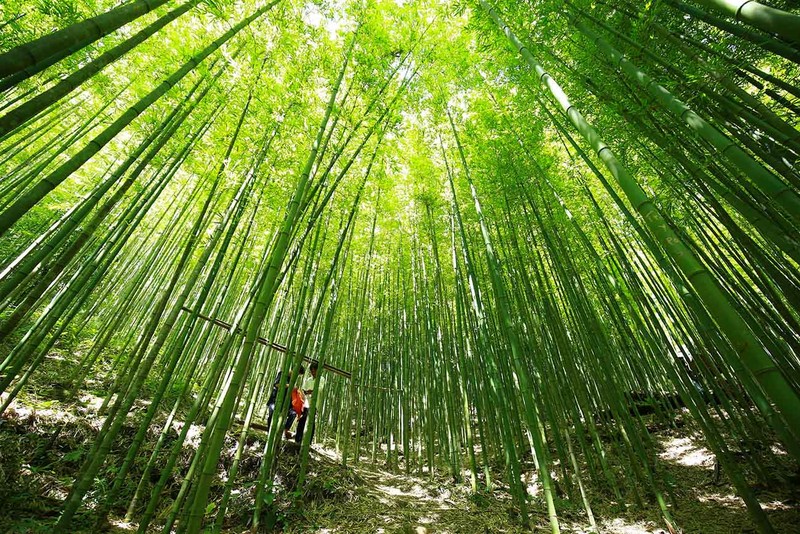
{"type": "Point", "coordinates": [684, 451]}
{"type": "Point", "coordinates": [728, 499]}
{"type": "Point", "coordinates": [705, 500]}
{"type": "Point", "coordinates": [622, 526]}
{"type": "Point", "coordinates": [193, 436]}
{"type": "Point", "coordinates": [91, 402]}
{"type": "Point", "coordinates": [122, 525]}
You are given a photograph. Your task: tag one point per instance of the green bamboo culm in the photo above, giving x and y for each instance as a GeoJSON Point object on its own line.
{"type": "Point", "coordinates": [12, 213]}
{"type": "Point", "coordinates": [767, 42]}
{"type": "Point", "coordinates": [266, 293]}
{"type": "Point", "coordinates": [384, 188]}
{"type": "Point", "coordinates": [526, 391]}
{"type": "Point", "coordinates": [781, 23]}
{"type": "Point", "coordinates": [772, 186]}
{"type": "Point", "coordinates": [29, 109]}
{"type": "Point", "coordinates": [749, 350]}
{"type": "Point", "coordinates": [81, 33]}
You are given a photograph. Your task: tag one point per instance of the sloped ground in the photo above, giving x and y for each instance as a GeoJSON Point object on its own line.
{"type": "Point", "coordinates": [43, 443]}
{"type": "Point", "coordinates": [388, 502]}
{"type": "Point", "coordinates": [409, 504]}
{"type": "Point", "coordinates": [702, 502]}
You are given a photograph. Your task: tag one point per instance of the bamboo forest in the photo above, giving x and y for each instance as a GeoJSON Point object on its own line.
{"type": "Point", "coordinates": [400, 266]}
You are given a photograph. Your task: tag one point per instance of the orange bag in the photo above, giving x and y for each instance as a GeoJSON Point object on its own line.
{"type": "Point", "coordinates": [297, 401]}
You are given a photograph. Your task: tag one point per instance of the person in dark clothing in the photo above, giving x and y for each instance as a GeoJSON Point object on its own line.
{"type": "Point", "coordinates": [273, 398]}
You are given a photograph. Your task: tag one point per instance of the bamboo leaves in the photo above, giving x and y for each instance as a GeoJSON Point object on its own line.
{"type": "Point", "coordinates": [376, 186]}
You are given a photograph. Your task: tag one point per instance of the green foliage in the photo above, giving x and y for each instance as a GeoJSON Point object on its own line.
{"type": "Point", "coordinates": [486, 296]}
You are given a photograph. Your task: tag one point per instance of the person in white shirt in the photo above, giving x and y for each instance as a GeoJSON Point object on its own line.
{"type": "Point", "coordinates": [308, 389]}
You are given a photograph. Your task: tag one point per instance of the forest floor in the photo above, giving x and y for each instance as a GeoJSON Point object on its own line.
{"type": "Point", "coordinates": [702, 502]}
{"type": "Point", "coordinates": [44, 441]}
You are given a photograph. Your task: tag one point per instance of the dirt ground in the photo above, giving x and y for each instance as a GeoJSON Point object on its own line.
{"type": "Point", "coordinates": [42, 447]}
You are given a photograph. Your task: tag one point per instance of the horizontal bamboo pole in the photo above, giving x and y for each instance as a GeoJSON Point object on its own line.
{"type": "Point", "coordinates": [268, 343]}
{"type": "Point", "coordinates": [282, 348]}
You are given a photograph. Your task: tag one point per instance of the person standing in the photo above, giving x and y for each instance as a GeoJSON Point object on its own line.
{"type": "Point", "coordinates": [273, 397]}
{"type": "Point", "coordinates": [309, 391]}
